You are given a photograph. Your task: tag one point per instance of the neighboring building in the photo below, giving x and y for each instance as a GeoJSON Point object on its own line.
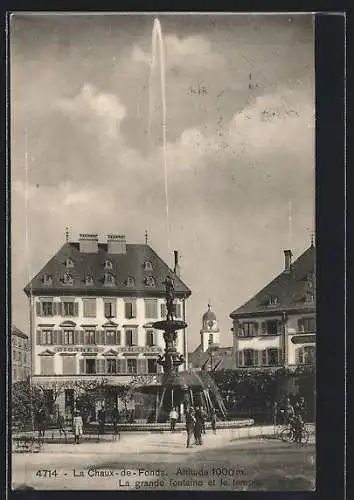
{"type": "Point", "coordinates": [277, 327]}
{"type": "Point", "coordinates": [209, 355]}
{"type": "Point", "coordinates": [92, 307]}
{"type": "Point", "coordinates": [21, 355]}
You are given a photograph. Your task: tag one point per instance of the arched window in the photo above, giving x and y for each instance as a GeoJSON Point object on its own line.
{"type": "Point", "coordinates": [149, 281]}
{"type": "Point", "coordinates": [273, 300]}
{"type": "Point", "coordinates": [130, 282]}
{"type": "Point", "coordinates": [108, 264]}
{"type": "Point", "coordinates": [67, 279]}
{"type": "Point", "coordinates": [109, 279]}
{"type": "Point", "coordinates": [69, 264]}
{"type": "Point", "coordinates": [89, 280]}
{"type": "Point", "coordinates": [47, 279]}
{"type": "Point", "coordinates": [147, 266]}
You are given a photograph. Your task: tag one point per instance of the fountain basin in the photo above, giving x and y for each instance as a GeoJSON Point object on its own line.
{"type": "Point", "coordinates": [170, 325]}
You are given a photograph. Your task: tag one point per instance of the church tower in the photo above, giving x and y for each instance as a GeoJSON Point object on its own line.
{"type": "Point", "coordinates": [210, 333]}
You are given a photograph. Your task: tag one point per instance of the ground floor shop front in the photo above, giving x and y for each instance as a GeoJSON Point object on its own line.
{"type": "Point", "coordinates": [138, 399]}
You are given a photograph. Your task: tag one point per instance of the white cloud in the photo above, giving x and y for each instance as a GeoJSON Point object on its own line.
{"type": "Point", "coordinates": [191, 51]}
{"type": "Point", "coordinates": [106, 108]}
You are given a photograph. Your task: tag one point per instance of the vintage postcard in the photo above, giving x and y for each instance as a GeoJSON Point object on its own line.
{"type": "Point", "coordinates": [163, 251]}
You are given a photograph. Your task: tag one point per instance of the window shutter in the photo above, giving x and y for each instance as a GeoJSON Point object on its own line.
{"type": "Point", "coordinates": [264, 357]}
{"type": "Point", "coordinates": [135, 336]}
{"type": "Point", "coordinates": [134, 309]}
{"type": "Point", "coordinates": [114, 308]}
{"type": "Point", "coordinates": [257, 357]}
{"type": "Point", "coordinates": [142, 368]}
{"type": "Point", "coordinates": [122, 365]}
{"type": "Point", "coordinates": [38, 337]}
{"type": "Point", "coordinates": [82, 366]}
{"type": "Point", "coordinates": [155, 337]}
{"type": "Point", "coordinates": [300, 324]}
{"type": "Point", "coordinates": [38, 309]}
{"type": "Point", "coordinates": [55, 337]}
{"type": "Point", "coordinates": [102, 337]}
{"type": "Point", "coordinates": [279, 326]}
{"type": "Point", "coordinates": [255, 328]}
{"type": "Point", "coordinates": [240, 358]}
{"type": "Point", "coordinates": [264, 328]}
{"type": "Point", "coordinates": [97, 337]}
{"type": "Point", "coordinates": [100, 366]}
{"type": "Point", "coordinates": [297, 355]}
{"type": "Point", "coordinates": [163, 310]}
{"type": "Point", "coordinates": [76, 308]}
{"type": "Point", "coordinates": [76, 337]}
{"type": "Point", "coordinates": [54, 308]}
{"type": "Point", "coordinates": [60, 337]}
{"type": "Point", "coordinates": [118, 341]}
{"type": "Point", "coordinates": [280, 357]}
{"type": "Point", "coordinates": [81, 337]}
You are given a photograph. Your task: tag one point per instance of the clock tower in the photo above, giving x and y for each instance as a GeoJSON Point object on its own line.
{"type": "Point", "coordinates": [210, 333]}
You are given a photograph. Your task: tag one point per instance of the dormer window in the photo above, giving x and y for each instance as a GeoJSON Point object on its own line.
{"type": "Point", "coordinates": [149, 281]}
{"type": "Point", "coordinates": [108, 264]}
{"type": "Point", "coordinates": [130, 282]}
{"type": "Point", "coordinates": [69, 264]}
{"type": "Point", "coordinates": [109, 279]}
{"type": "Point", "coordinates": [147, 266]}
{"type": "Point", "coordinates": [89, 280]}
{"type": "Point", "coordinates": [67, 279]}
{"type": "Point", "coordinates": [273, 300]}
{"type": "Point", "coordinates": [47, 279]}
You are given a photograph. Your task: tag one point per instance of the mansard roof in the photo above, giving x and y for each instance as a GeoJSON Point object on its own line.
{"type": "Point", "coordinates": [130, 264]}
{"type": "Point", "coordinates": [289, 289]}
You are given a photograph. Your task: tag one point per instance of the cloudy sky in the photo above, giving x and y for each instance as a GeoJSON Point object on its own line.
{"type": "Point", "coordinates": [240, 145]}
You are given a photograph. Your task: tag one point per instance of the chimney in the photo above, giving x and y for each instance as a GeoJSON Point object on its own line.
{"type": "Point", "coordinates": [288, 256]}
{"type": "Point", "coordinates": [88, 243]}
{"type": "Point", "coordinates": [176, 268]}
{"type": "Point", "coordinates": [116, 244]}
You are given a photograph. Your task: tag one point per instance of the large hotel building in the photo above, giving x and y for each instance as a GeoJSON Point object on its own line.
{"type": "Point", "coordinates": [92, 309]}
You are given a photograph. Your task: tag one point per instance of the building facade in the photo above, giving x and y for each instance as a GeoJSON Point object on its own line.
{"type": "Point", "coordinates": [21, 355]}
{"type": "Point", "coordinates": [277, 327]}
{"type": "Point", "coordinates": [92, 308]}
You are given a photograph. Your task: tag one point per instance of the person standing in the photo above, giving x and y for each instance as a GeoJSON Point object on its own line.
{"type": "Point", "coordinates": [41, 419]}
{"type": "Point", "coordinates": [213, 420]}
{"type": "Point", "coordinates": [190, 424]}
{"type": "Point", "coordinates": [300, 408]}
{"type": "Point", "coordinates": [289, 412]}
{"type": "Point", "coordinates": [77, 427]}
{"type": "Point", "coordinates": [198, 426]}
{"type": "Point", "coordinates": [115, 419]}
{"type": "Point", "coordinates": [101, 420]}
{"type": "Point", "coordinates": [173, 419]}
{"type": "Point", "coordinates": [61, 425]}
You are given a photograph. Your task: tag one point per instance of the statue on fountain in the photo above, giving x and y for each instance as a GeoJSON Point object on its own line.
{"type": "Point", "coordinates": [170, 296]}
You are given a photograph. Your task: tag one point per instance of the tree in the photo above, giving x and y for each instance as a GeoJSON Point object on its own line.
{"type": "Point", "coordinates": [26, 401]}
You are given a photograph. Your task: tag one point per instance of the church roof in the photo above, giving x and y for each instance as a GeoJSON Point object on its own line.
{"type": "Point", "coordinates": [128, 270]}
{"type": "Point", "coordinates": [289, 290]}
{"type": "Point", "coordinates": [209, 315]}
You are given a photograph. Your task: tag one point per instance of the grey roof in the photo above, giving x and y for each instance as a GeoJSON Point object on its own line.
{"type": "Point", "coordinates": [130, 264]}
{"type": "Point", "coordinates": [18, 333]}
{"type": "Point", "coordinates": [221, 359]}
{"type": "Point", "coordinates": [289, 288]}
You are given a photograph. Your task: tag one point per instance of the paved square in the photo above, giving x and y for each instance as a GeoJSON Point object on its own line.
{"type": "Point", "coordinates": [149, 461]}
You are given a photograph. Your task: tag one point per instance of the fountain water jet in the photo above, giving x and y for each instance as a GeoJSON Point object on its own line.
{"type": "Point", "coordinates": [157, 49]}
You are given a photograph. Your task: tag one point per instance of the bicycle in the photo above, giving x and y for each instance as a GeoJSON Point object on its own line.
{"type": "Point", "coordinates": [288, 435]}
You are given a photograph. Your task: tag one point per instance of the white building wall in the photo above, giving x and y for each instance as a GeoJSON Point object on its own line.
{"type": "Point", "coordinates": [123, 323]}
{"type": "Point", "coordinates": [265, 342]}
